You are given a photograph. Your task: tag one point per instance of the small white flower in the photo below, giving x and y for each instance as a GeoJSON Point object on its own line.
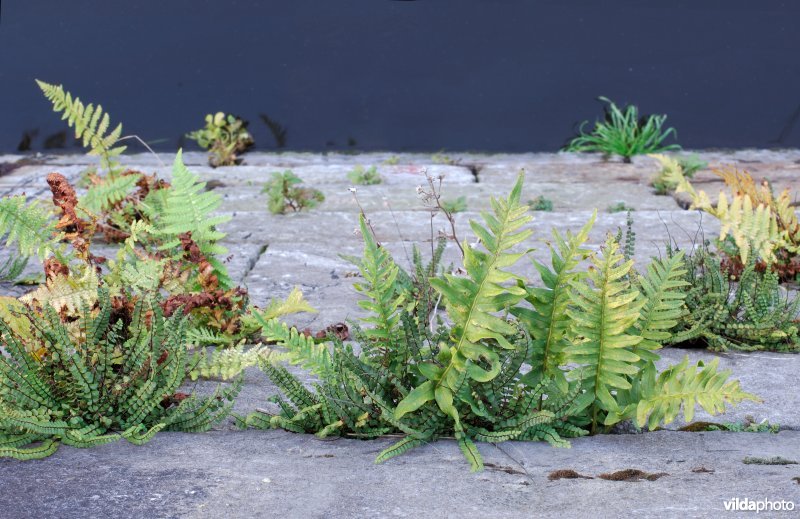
{"type": "Point", "coordinates": [419, 190]}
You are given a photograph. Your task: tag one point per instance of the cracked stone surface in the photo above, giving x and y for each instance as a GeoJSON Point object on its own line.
{"type": "Point", "coordinates": [234, 473]}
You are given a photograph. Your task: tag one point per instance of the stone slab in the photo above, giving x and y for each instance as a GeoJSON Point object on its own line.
{"type": "Point", "coordinates": [279, 474]}
{"type": "Point", "coordinates": [234, 473]}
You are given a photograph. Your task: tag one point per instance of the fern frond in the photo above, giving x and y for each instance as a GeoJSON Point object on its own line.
{"type": "Point", "coordinates": [661, 297]}
{"type": "Point", "coordinates": [470, 451]}
{"type": "Point", "coordinates": [84, 441]}
{"type": "Point", "coordinates": [27, 226]}
{"type": "Point", "coordinates": [396, 449]}
{"type": "Point", "coordinates": [188, 208]}
{"type": "Point", "coordinates": [472, 302]}
{"type": "Point", "coordinates": [752, 228]}
{"type": "Point", "coordinates": [384, 297]}
{"type": "Point", "coordinates": [47, 448]}
{"type": "Point", "coordinates": [12, 267]}
{"type": "Point", "coordinates": [91, 125]}
{"type": "Point", "coordinates": [109, 192]}
{"type": "Point", "coordinates": [683, 386]}
{"type": "Point", "coordinates": [294, 303]}
{"type": "Point", "coordinates": [301, 349]}
{"type": "Point", "coordinates": [139, 434]}
{"type": "Point", "coordinates": [66, 292]}
{"type": "Point", "coordinates": [602, 315]}
{"type": "Point", "coordinates": [547, 319]}
{"type": "Point", "coordinates": [226, 363]}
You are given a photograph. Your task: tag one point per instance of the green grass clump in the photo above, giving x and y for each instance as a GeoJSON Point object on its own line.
{"type": "Point", "coordinates": [623, 132]}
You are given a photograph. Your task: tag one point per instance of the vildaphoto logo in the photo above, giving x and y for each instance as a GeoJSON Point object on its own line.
{"type": "Point", "coordinates": [738, 504]}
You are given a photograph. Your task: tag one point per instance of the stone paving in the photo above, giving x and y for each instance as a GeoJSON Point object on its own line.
{"type": "Point", "coordinates": [228, 473]}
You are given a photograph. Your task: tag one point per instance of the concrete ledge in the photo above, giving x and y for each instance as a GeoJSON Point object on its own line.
{"type": "Point", "coordinates": [228, 473]}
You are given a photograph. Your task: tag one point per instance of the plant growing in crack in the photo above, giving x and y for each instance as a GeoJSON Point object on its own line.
{"type": "Point", "coordinates": [622, 132]}
{"type": "Point", "coordinates": [589, 340]}
{"type": "Point", "coordinates": [619, 207]}
{"type": "Point", "coordinates": [285, 194]}
{"type": "Point", "coordinates": [225, 137]}
{"type": "Point", "coordinates": [541, 203]}
{"type": "Point", "coordinates": [672, 169]}
{"type": "Point", "coordinates": [364, 176]}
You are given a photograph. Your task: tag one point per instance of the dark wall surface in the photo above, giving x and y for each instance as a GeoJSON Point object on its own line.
{"type": "Point", "coordinates": [423, 75]}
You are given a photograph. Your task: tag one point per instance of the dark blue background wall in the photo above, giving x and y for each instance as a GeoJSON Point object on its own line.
{"type": "Point", "coordinates": [491, 75]}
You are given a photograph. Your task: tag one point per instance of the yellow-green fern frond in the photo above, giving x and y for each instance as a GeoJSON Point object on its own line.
{"type": "Point", "coordinates": [91, 125]}
{"type": "Point", "coordinates": [384, 296]}
{"type": "Point", "coordinates": [752, 228]}
{"type": "Point", "coordinates": [294, 303]}
{"type": "Point", "coordinates": [66, 292]}
{"type": "Point", "coordinates": [756, 221]}
{"type": "Point", "coordinates": [472, 303]}
{"type": "Point", "coordinates": [684, 386]}
{"type": "Point", "coordinates": [671, 172]}
{"type": "Point", "coordinates": [547, 319]}
{"type": "Point", "coordinates": [225, 363]}
{"type": "Point", "coordinates": [604, 310]}
{"type": "Point", "coordinates": [662, 294]}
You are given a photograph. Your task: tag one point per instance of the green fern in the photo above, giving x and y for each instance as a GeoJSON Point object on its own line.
{"type": "Point", "coordinates": [301, 349]}
{"type": "Point", "coordinates": [104, 195]}
{"type": "Point", "coordinates": [547, 319]}
{"type": "Point", "coordinates": [384, 297]}
{"type": "Point", "coordinates": [12, 267]}
{"type": "Point", "coordinates": [28, 226]}
{"type": "Point", "coordinates": [751, 312]}
{"type": "Point", "coordinates": [684, 386]}
{"type": "Point", "coordinates": [188, 208]}
{"type": "Point", "coordinates": [97, 379]}
{"type": "Point", "coordinates": [662, 297]}
{"type": "Point", "coordinates": [481, 376]}
{"type": "Point", "coordinates": [91, 125]}
{"type": "Point", "coordinates": [604, 311]}
{"type": "Point", "coordinates": [471, 303]}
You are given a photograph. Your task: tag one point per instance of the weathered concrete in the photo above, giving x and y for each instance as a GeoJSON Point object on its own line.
{"type": "Point", "coordinates": [242, 474]}
{"type": "Point", "coordinates": [279, 474]}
